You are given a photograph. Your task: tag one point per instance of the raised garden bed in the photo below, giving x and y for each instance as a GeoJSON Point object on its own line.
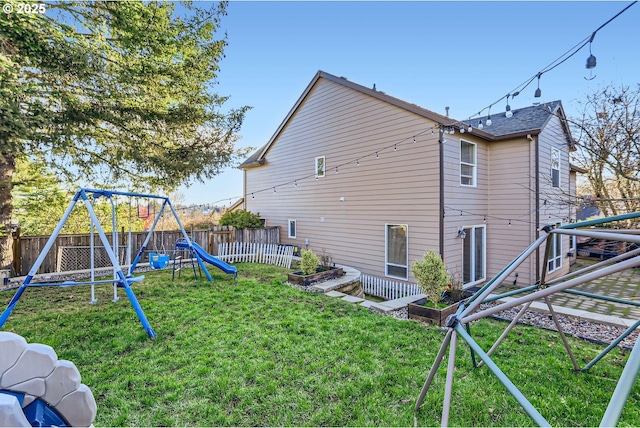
{"type": "Point", "coordinates": [320, 276]}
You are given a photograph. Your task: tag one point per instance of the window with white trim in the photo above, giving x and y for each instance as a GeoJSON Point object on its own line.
{"type": "Point", "coordinates": [555, 167]}
{"type": "Point", "coordinates": [554, 262]}
{"type": "Point", "coordinates": [320, 167]}
{"type": "Point", "coordinates": [473, 255]}
{"type": "Point", "coordinates": [468, 156]}
{"type": "Point", "coordinates": [396, 254]}
{"type": "Point", "coordinates": [292, 228]}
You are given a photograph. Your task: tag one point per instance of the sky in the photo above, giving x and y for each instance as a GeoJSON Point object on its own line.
{"type": "Point", "coordinates": [465, 55]}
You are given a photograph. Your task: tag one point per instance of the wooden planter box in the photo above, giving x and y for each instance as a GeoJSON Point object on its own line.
{"type": "Point", "coordinates": [437, 316]}
{"type": "Point", "coordinates": [305, 280]}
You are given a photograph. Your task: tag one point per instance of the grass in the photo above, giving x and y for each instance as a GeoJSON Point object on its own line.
{"type": "Point", "coordinates": [254, 352]}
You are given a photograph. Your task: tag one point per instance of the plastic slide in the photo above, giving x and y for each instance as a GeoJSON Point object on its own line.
{"type": "Point", "coordinates": [206, 257]}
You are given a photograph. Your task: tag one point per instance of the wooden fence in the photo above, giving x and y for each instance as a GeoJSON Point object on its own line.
{"type": "Point", "coordinates": [387, 289]}
{"type": "Point", "coordinates": [254, 252]}
{"type": "Point", "coordinates": [27, 248]}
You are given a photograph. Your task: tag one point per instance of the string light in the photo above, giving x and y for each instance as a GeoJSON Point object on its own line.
{"type": "Point", "coordinates": [336, 170]}
{"type": "Point", "coordinates": [591, 61]}
{"type": "Point", "coordinates": [295, 183]}
{"type": "Point", "coordinates": [274, 190]}
{"type": "Point", "coordinates": [508, 112]}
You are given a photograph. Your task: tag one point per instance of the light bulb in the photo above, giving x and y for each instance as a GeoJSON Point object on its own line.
{"type": "Point", "coordinates": [591, 62]}
{"type": "Point", "coordinates": [462, 129]}
{"type": "Point", "coordinates": [480, 126]}
{"type": "Point", "coordinates": [508, 113]}
{"type": "Point", "coordinates": [470, 129]}
{"type": "Point", "coordinates": [538, 93]}
{"type": "Point", "coordinates": [489, 121]}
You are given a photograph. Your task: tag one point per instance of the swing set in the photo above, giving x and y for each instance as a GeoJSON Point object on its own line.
{"type": "Point", "coordinates": [120, 279]}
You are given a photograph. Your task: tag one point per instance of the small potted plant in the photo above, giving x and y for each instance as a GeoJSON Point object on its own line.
{"type": "Point", "coordinates": [311, 270]}
{"type": "Point", "coordinates": [434, 280]}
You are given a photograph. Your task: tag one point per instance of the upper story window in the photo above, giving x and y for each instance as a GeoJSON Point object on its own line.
{"type": "Point", "coordinates": [468, 156]}
{"type": "Point", "coordinates": [555, 167]}
{"type": "Point", "coordinates": [320, 167]}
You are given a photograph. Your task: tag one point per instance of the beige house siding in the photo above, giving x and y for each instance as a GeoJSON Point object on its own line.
{"type": "Point", "coordinates": [465, 205]}
{"type": "Point", "coordinates": [375, 175]}
{"type": "Point", "coordinates": [344, 126]}
{"type": "Point", "coordinates": [555, 203]}
{"type": "Point", "coordinates": [512, 208]}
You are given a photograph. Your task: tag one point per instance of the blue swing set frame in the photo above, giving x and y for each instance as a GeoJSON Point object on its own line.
{"type": "Point", "coordinates": [120, 278]}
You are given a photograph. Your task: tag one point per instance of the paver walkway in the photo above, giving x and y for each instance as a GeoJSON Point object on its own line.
{"type": "Point", "coordinates": [622, 285]}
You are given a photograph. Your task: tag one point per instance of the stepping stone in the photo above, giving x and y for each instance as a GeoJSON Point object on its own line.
{"type": "Point", "coordinates": [352, 299]}
{"type": "Point", "coordinates": [367, 304]}
{"type": "Point", "coordinates": [334, 294]}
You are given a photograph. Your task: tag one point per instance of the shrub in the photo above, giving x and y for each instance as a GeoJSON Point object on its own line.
{"type": "Point", "coordinates": [432, 276]}
{"type": "Point", "coordinates": [309, 262]}
{"type": "Point", "coordinates": [241, 219]}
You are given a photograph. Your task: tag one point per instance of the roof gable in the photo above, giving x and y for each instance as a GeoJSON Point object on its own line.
{"type": "Point", "coordinates": [528, 120]}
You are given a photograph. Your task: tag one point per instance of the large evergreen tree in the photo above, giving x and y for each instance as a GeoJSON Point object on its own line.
{"type": "Point", "coordinates": [113, 92]}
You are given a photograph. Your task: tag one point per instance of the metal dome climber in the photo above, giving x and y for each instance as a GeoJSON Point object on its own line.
{"type": "Point", "coordinates": [458, 324]}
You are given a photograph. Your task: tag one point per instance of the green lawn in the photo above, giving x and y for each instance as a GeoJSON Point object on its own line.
{"type": "Point", "coordinates": [254, 352]}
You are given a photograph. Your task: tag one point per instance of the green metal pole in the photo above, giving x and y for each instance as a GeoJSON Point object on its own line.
{"type": "Point", "coordinates": [510, 293]}
{"type": "Point", "coordinates": [513, 390]}
{"type": "Point", "coordinates": [612, 345]}
{"type": "Point", "coordinates": [598, 221]}
{"type": "Point", "coordinates": [601, 297]}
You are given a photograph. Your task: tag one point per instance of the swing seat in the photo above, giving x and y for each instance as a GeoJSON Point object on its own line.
{"type": "Point", "coordinates": [158, 261]}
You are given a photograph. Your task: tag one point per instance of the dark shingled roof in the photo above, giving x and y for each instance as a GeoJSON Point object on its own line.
{"type": "Point", "coordinates": [525, 119]}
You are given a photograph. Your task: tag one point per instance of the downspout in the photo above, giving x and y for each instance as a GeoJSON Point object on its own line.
{"type": "Point", "coordinates": [441, 148]}
{"type": "Point", "coordinates": [537, 164]}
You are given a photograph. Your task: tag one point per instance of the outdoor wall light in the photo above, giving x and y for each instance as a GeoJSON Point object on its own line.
{"type": "Point", "coordinates": [462, 234]}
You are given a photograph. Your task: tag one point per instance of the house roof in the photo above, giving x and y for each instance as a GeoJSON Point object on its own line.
{"type": "Point", "coordinates": [528, 120]}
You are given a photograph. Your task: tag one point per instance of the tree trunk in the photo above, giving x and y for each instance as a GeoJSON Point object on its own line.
{"type": "Point", "coordinates": [7, 168]}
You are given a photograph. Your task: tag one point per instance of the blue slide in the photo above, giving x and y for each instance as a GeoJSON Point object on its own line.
{"type": "Point", "coordinates": [202, 254]}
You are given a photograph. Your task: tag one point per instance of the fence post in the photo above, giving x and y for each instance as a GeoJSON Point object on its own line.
{"type": "Point", "coordinates": [17, 252]}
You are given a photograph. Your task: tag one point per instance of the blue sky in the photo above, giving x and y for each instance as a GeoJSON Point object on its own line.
{"type": "Point", "coordinates": [464, 55]}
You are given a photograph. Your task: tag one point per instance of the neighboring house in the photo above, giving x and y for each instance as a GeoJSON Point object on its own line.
{"type": "Point", "coordinates": [364, 177]}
